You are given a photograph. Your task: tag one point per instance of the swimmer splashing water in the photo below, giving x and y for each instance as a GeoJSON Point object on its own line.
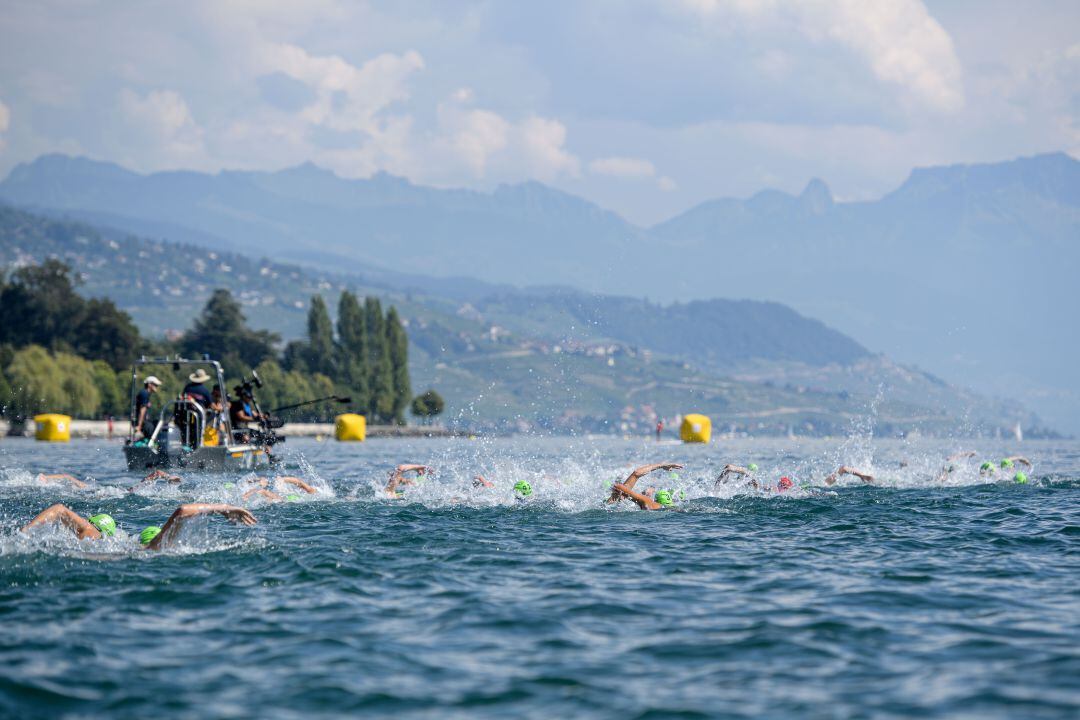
{"type": "Point", "coordinates": [648, 500]}
{"type": "Point", "coordinates": [153, 537]}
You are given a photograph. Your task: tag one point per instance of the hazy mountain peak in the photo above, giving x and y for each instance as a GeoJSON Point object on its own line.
{"type": "Point", "coordinates": [1055, 176]}
{"type": "Point", "coordinates": [816, 197]}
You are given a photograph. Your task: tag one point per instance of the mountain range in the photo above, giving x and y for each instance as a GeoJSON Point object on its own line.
{"type": "Point", "coordinates": [965, 270]}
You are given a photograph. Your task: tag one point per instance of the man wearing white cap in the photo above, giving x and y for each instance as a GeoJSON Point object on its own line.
{"type": "Point", "coordinates": [142, 405]}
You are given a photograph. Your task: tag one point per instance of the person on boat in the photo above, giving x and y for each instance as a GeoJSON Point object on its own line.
{"type": "Point", "coordinates": [262, 488]}
{"type": "Point", "coordinates": [56, 478]}
{"type": "Point", "coordinates": [646, 501]}
{"type": "Point", "coordinates": [144, 422]}
{"type": "Point", "coordinates": [242, 412]}
{"type": "Point", "coordinates": [398, 477]}
{"type": "Point", "coordinates": [196, 388]}
{"type": "Point", "coordinates": [151, 538]}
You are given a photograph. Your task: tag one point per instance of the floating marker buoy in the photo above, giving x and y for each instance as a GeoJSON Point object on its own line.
{"type": "Point", "coordinates": [350, 427]}
{"type": "Point", "coordinates": [52, 427]}
{"type": "Point", "coordinates": [696, 429]}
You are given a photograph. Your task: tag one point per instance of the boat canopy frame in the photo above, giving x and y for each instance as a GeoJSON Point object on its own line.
{"type": "Point", "coordinates": [177, 363]}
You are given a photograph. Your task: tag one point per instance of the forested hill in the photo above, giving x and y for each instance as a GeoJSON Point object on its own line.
{"type": "Point", "coordinates": [552, 358]}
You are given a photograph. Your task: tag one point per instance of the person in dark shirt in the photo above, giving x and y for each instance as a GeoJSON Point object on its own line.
{"type": "Point", "coordinates": [143, 422]}
{"type": "Point", "coordinates": [196, 390]}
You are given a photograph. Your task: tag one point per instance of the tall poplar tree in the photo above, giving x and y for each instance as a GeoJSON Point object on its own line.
{"type": "Point", "coordinates": [353, 348]}
{"type": "Point", "coordinates": [398, 345]}
{"type": "Point", "coordinates": [321, 351]}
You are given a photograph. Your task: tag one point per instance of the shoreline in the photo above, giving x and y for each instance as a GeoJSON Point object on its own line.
{"type": "Point", "coordinates": [84, 429]}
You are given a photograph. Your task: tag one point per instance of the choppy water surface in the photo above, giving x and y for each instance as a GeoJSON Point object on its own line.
{"type": "Point", "coordinates": [916, 597]}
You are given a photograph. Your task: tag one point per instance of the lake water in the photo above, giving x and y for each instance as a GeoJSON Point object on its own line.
{"type": "Point", "coordinates": [915, 597]}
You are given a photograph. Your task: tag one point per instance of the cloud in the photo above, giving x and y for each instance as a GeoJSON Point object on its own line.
{"type": "Point", "coordinates": [163, 122]}
{"type": "Point", "coordinates": [623, 167]}
{"type": "Point", "coordinates": [900, 42]}
{"type": "Point", "coordinates": [5, 122]}
{"type": "Point", "coordinates": [541, 142]}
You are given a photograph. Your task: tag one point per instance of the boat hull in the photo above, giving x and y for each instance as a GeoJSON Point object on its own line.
{"type": "Point", "coordinates": [211, 459]}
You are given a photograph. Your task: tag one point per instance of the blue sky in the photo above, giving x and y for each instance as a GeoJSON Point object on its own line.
{"type": "Point", "coordinates": [646, 107]}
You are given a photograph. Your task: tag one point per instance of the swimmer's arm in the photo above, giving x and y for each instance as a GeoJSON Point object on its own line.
{"type": "Point", "coordinates": [845, 470]}
{"type": "Point", "coordinates": [731, 470]}
{"type": "Point", "coordinates": [398, 476]}
{"type": "Point", "coordinates": [71, 520]}
{"type": "Point", "coordinates": [639, 473]}
{"type": "Point", "coordinates": [298, 483]}
{"type": "Point", "coordinates": [643, 501]}
{"type": "Point", "coordinates": [480, 482]}
{"type": "Point", "coordinates": [75, 482]}
{"type": "Point", "coordinates": [1020, 459]}
{"type": "Point", "coordinates": [176, 521]}
{"type": "Point", "coordinates": [961, 455]}
{"type": "Point", "coordinates": [268, 494]}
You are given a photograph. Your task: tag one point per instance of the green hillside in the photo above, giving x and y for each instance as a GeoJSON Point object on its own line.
{"type": "Point", "coordinates": [535, 360]}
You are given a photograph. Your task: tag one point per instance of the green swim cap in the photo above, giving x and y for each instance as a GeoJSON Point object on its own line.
{"type": "Point", "coordinates": [105, 523]}
{"type": "Point", "coordinates": [1020, 478]}
{"type": "Point", "coordinates": [292, 497]}
{"type": "Point", "coordinates": [229, 486]}
{"type": "Point", "coordinates": [148, 534]}
{"type": "Point", "coordinates": [663, 497]}
{"type": "Point", "coordinates": [986, 466]}
{"type": "Point", "coordinates": [523, 487]}
{"type": "Point", "coordinates": [752, 467]}
{"type": "Point", "coordinates": [1006, 463]}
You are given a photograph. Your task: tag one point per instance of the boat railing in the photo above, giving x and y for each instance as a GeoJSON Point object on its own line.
{"type": "Point", "coordinates": [189, 416]}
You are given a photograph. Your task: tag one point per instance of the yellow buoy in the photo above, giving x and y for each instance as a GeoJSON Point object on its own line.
{"type": "Point", "coordinates": [350, 427]}
{"type": "Point", "coordinates": [696, 429]}
{"type": "Point", "coordinates": [53, 427]}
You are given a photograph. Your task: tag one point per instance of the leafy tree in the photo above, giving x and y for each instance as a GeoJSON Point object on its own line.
{"type": "Point", "coordinates": [32, 375]}
{"type": "Point", "coordinates": [222, 332]}
{"type": "Point", "coordinates": [112, 388]}
{"type": "Point", "coordinates": [398, 344]}
{"type": "Point", "coordinates": [381, 404]}
{"type": "Point", "coordinates": [321, 351]}
{"type": "Point", "coordinates": [428, 405]}
{"type": "Point", "coordinates": [39, 306]}
{"type": "Point", "coordinates": [81, 396]}
{"type": "Point", "coordinates": [352, 345]}
{"type": "Point", "coordinates": [107, 333]}
{"type": "Point", "coordinates": [295, 356]}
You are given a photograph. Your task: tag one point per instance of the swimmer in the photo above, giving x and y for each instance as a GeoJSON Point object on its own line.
{"type": "Point", "coordinates": [57, 478]}
{"type": "Point", "coordinates": [733, 470]}
{"type": "Point", "coordinates": [153, 477]}
{"type": "Point", "coordinates": [522, 490]}
{"type": "Point", "coordinates": [481, 482]}
{"type": "Point", "coordinates": [151, 538]}
{"type": "Point", "coordinates": [845, 470]}
{"type": "Point", "coordinates": [989, 469]}
{"type": "Point", "coordinates": [264, 488]}
{"type": "Point", "coordinates": [949, 469]}
{"type": "Point", "coordinates": [625, 489]}
{"type": "Point", "coordinates": [397, 477]}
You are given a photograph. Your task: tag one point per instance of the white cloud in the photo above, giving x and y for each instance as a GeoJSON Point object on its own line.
{"type": "Point", "coordinates": [667, 184]}
{"type": "Point", "coordinates": [5, 122]}
{"type": "Point", "coordinates": [898, 39]}
{"type": "Point", "coordinates": [163, 122]}
{"type": "Point", "coordinates": [541, 142]}
{"type": "Point", "coordinates": [623, 167]}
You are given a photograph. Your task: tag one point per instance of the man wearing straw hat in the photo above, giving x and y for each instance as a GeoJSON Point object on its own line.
{"type": "Point", "coordinates": [196, 390]}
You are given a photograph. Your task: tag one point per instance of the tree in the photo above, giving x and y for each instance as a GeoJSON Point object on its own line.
{"type": "Point", "coordinates": [321, 354]}
{"type": "Point", "coordinates": [222, 332]}
{"type": "Point", "coordinates": [398, 345]}
{"type": "Point", "coordinates": [33, 376]}
{"type": "Point", "coordinates": [381, 404]}
{"type": "Point", "coordinates": [81, 396]}
{"type": "Point", "coordinates": [353, 349]}
{"type": "Point", "coordinates": [107, 333]}
{"type": "Point", "coordinates": [428, 405]}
